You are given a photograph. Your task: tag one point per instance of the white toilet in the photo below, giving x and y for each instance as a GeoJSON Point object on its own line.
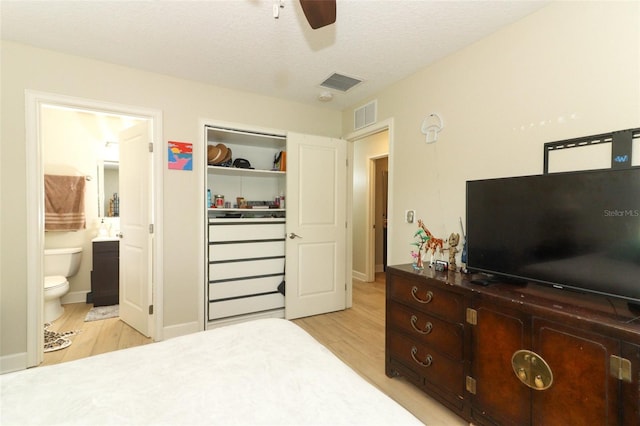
{"type": "Point", "coordinates": [59, 264]}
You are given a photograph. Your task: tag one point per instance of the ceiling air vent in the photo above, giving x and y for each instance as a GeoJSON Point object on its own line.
{"type": "Point", "coordinates": [365, 115]}
{"type": "Point", "coordinates": [340, 82]}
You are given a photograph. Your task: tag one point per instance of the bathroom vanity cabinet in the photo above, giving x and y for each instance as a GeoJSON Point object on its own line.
{"type": "Point", "coordinates": [105, 273]}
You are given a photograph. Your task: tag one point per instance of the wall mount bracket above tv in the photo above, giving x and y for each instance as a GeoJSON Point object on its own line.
{"type": "Point", "coordinates": [621, 142]}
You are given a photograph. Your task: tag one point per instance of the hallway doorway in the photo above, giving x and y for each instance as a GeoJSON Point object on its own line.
{"type": "Point", "coordinates": [381, 195]}
{"type": "Point", "coordinates": [371, 154]}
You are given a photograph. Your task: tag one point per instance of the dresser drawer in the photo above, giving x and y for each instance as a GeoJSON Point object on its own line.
{"type": "Point", "coordinates": [245, 269]}
{"type": "Point", "coordinates": [245, 305]}
{"type": "Point", "coordinates": [233, 231]}
{"type": "Point", "coordinates": [251, 286]}
{"type": "Point", "coordinates": [428, 298]}
{"type": "Point", "coordinates": [443, 336]}
{"type": "Point", "coordinates": [436, 368]}
{"type": "Point", "coordinates": [249, 250]}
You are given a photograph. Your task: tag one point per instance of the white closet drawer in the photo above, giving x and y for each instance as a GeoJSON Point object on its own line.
{"type": "Point", "coordinates": [245, 305]}
{"type": "Point", "coordinates": [226, 289]}
{"type": "Point", "coordinates": [246, 232]}
{"type": "Point", "coordinates": [249, 268]}
{"type": "Point", "coordinates": [245, 250]}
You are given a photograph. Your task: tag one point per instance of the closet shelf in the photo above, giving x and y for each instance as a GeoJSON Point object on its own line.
{"type": "Point", "coordinates": [233, 171]}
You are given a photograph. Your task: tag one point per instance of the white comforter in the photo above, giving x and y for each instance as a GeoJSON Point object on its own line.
{"type": "Point", "coordinates": [264, 372]}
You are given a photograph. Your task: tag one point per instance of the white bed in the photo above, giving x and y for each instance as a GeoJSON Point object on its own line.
{"type": "Point", "coordinates": [263, 372]}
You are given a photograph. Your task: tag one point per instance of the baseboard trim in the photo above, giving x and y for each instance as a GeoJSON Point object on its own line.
{"type": "Point", "coordinates": [359, 276]}
{"type": "Point", "coordinates": [180, 329]}
{"type": "Point", "coordinates": [74, 297]}
{"type": "Point", "coordinates": [13, 362]}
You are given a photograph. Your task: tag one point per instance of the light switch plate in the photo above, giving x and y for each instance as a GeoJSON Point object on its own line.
{"type": "Point", "coordinates": [409, 216]}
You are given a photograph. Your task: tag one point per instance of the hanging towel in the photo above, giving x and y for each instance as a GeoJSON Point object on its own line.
{"type": "Point", "coordinates": [64, 203]}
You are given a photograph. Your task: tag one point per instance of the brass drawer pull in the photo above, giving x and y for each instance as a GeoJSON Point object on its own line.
{"type": "Point", "coordinates": [427, 327]}
{"type": "Point", "coordinates": [427, 361]}
{"type": "Point", "coordinates": [414, 290]}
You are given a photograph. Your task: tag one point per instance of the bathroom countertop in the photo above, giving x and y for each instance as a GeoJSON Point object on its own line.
{"type": "Point", "coordinates": [100, 239]}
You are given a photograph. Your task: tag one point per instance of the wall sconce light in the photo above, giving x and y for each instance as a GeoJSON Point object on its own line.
{"type": "Point", "coordinates": [277, 5]}
{"type": "Point", "coordinates": [431, 126]}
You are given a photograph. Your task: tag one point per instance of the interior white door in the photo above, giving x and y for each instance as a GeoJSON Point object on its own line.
{"type": "Point", "coordinates": [135, 236]}
{"type": "Point", "coordinates": [316, 225]}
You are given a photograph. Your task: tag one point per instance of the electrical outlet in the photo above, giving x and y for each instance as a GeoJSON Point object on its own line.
{"type": "Point", "coordinates": [409, 216]}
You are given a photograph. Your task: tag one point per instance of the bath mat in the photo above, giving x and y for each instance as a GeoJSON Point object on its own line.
{"type": "Point", "coordinates": [54, 341]}
{"type": "Point", "coordinates": [102, 312]}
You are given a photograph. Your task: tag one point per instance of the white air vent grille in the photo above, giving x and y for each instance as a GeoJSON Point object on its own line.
{"type": "Point", "coordinates": [365, 115]}
{"type": "Point", "coordinates": [340, 82]}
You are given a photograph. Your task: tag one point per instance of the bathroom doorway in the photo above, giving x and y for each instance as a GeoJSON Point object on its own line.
{"type": "Point", "coordinates": [36, 145]}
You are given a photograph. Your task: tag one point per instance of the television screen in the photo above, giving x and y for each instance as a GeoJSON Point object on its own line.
{"type": "Point", "coordinates": [577, 230]}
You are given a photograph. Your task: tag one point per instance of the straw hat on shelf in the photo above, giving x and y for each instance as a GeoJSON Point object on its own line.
{"type": "Point", "coordinates": [217, 154]}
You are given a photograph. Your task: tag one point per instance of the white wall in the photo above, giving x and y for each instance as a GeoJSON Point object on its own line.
{"type": "Point", "coordinates": [572, 69]}
{"type": "Point", "coordinates": [183, 104]}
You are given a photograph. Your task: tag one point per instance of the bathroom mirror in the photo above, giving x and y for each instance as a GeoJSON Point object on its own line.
{"type": "Point", "coordinates": [108, 189]}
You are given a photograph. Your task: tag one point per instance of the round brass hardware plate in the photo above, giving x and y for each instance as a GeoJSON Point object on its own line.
{"type": "Point", "coordinates": [532, 370]}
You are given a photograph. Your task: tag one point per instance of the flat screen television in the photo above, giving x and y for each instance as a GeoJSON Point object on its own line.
{"type": "Point", "coordinates": [574, 230]}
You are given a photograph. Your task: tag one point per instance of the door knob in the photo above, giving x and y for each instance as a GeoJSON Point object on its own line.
{"type": "Point", "coordinates": [293, 235]}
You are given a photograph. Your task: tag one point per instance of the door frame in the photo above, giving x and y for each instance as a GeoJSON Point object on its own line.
{"type": "Point", "coordinates": [34, 100]}
{"type": "Point", "coordinates": [351, 138]}
{"type": "Point", "coordinates": [372, 240]}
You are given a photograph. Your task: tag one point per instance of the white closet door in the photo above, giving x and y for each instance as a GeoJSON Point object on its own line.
{"type": "Point", "coordinates": [316, 225]}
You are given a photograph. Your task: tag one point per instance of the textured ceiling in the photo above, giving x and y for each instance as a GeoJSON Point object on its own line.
{"type": "Point", "coordinates": [238, 43]}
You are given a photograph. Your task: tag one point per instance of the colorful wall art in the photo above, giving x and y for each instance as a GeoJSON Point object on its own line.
{"type": "Point", "coordinates": [180, 155]}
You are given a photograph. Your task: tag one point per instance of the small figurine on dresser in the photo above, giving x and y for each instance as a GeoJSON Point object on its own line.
{"type": "Point", "coordinates": [463, 256]}
{"type": "Point", "coordinates": [454, 240]}
{"type": "Point", "coordinates": [433, 243]}
{"type": "Point", "coordinates": [421, 239]}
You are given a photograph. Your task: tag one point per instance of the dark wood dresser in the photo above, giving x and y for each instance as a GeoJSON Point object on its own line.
{"type": "Point", "coordinates": [105, 274]}
{"type": "Point", "coordinates": [513, 354]}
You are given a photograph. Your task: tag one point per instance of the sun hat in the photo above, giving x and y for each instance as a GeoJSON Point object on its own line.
{"type": "Point", "coordinates": [216, 154]}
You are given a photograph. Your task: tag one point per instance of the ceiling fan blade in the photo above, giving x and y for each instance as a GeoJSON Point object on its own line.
{"type": "Point", "coordinates": [319, 13]}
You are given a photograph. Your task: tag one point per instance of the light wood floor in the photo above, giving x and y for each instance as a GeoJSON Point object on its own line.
{"type": "Point", "coordinates": [94, 337]}
{"type": "Point", "coordinates": [355, 335]}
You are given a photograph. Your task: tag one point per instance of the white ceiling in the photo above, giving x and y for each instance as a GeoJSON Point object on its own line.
{"type": "Point", "coordinates": [238, 43]}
